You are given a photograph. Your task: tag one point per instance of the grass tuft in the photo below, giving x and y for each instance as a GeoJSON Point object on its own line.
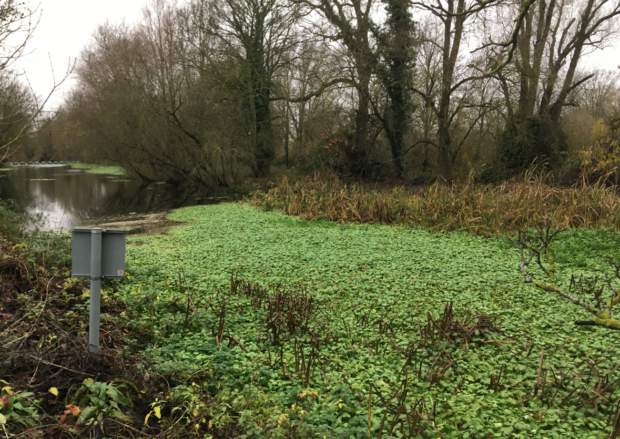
{"type": "Point", "coordinates": [479, 209]}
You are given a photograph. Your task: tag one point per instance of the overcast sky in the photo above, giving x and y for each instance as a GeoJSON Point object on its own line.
{"type": "Point", "coordinates": [67, 25]}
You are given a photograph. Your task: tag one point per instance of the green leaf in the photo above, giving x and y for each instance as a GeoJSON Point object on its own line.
{"type": "Point", "coordinates": [356, 275]}
{"type": "Point", "coordinates": [96, 401]}
{"type": "Point", "coordinates": [125, 381]}
{"type": "Point", "coordinates": [87, 413]}
{"type": "Point", "coordinates": [122, 416]}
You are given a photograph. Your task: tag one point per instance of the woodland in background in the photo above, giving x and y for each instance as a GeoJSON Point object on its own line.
{"type": "Point", "coordinates": [209, 92]}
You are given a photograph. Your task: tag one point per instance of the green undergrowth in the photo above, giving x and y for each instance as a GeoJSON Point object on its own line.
{"type": "Point", "coordinates": [353, 330]}
{"type": "Point", "coordinates": [40, 247]}
{"type": "Point", "coordinates": [99, 169]}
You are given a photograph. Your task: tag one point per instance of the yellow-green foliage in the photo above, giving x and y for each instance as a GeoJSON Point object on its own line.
{"type": "Point", "coordinates": [609, 323]}
{"type": "Point", "coordinates": [478, 209]}
{"type": "Point", "coordinates": [603, 317]}
{"type": "Point", "coordinates": [603, 154]}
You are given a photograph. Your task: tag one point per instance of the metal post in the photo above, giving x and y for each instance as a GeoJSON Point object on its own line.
{"type": "Point", "coordinates": [95, 289]}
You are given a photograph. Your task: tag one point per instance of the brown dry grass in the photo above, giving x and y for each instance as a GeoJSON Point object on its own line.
{"type": "Point", "coordinates": [475, 208]}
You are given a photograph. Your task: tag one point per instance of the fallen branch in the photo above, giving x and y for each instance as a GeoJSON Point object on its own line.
{"type": "Point", "coordinates": [538, 248]}
{"type": "Point", "coordinates": [58, 365]}
{"type": "Point", "coordinates": [230, 337]}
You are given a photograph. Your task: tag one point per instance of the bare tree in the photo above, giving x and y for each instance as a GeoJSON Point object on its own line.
{"type": "Point", "coordinates": [351, 23]}
{"type": "Point", "coordinates": [17, 25]}
{"type": "Point", "coordinates": [555, 36]}
{"type": "Point", "coordinates": [18, 110]}
{"type": "Point", "coordinates": [17, 105]}
{"type": "Point", "coordinates": [21, 106]}
{"type": "Point", "coordinates": [156, 98]}
{"type": "Point", "coordinates": [600, 96]}
{"type": "Point", "coordinates": [259, 35]}
{"type": "Point", "coordinates": [453, 17]}
{"type": "Point", "coordinates": [312, 96]}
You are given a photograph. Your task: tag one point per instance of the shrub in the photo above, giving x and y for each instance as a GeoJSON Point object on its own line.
{"type": "Point", "coordinates": [533, 139]}
{"type": "Point", "coordinates": [602, 156]}
{"type": "Point", "coordinates": [10, 221]}
{"type": "Point", "coordinates": [41, 247]}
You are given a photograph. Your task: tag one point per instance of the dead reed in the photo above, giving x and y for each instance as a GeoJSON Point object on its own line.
{"type": "Point", "coordinates": [475, 208]}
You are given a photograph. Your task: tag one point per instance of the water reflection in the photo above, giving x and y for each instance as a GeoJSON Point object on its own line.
{"type": "Point", "coordinates": [70, 197]}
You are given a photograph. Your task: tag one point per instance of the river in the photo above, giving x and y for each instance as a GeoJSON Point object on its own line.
{"type": "Point", "coordinates": [64, 197]}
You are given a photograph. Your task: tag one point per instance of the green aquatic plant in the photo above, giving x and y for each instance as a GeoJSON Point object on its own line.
{"type": "Point", "coordinates": [355, 330]}
{"type": "Point", "coordinates": [99, 169]}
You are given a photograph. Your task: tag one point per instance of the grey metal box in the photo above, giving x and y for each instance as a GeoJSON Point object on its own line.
{"type": "Point", "coordinates": [112, 253]}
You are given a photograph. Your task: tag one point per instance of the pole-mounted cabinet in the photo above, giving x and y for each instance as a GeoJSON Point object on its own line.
{"type": "Point", "coordinates": [96, 254]}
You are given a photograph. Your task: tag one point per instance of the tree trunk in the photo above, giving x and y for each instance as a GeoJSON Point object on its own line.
{"type": "Point", "coordinates": [446, 165]}
{"type": "Point", "coordinates": [358, 153]}
{"type": "Point", "coordinates": [263, 149]}
{"type": "Point", "coordinates": [396, 48]}
{"type": "Point", "coordinates": [451, 49]}
{"type": "Point", "coordinates": [286, 135]}
{"type": "Point", "coordinates": [361, 129]}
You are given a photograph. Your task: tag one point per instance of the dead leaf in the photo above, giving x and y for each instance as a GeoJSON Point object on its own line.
{"type": "Point", "coordinates": [75, 410]}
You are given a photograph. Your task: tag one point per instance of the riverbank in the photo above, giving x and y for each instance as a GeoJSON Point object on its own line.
{"type": "Point", "coordinates": [50, 385]}
{"type": "Point", "coordinates": [246, 321]}
{"type": "Point", "coordinates": [480, 209]}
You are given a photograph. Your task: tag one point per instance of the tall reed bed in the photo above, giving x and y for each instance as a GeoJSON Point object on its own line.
{"type": "Point", "coordinates": [475, 208]}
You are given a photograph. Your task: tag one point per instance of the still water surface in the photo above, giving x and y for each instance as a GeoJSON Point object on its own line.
{"type": "Point", "coordinates": [69, 197]}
